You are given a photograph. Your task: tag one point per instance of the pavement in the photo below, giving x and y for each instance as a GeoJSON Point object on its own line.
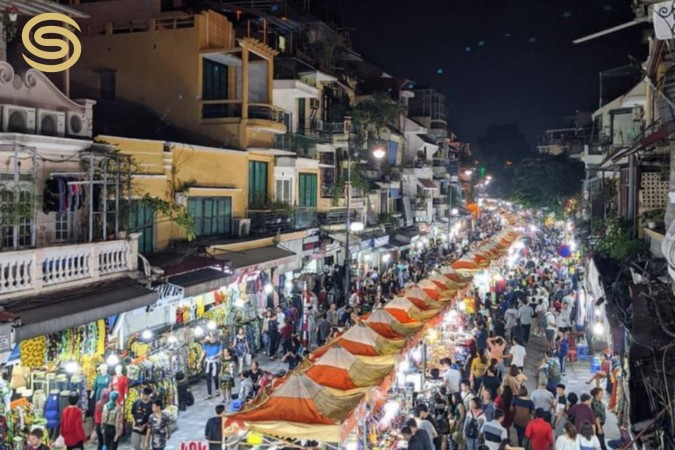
{"type": "Point", "coordinates": [575, 379]}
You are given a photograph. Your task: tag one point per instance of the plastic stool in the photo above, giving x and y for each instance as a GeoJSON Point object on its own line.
{"type": "Point", "coordinates": [581, 352]}
{"type": "Point", "coordinates": [572, 355]}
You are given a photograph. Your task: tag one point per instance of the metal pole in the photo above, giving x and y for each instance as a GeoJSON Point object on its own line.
{"type": "Point", "coordinates": [105, 198]}
{"type": "Point", "coordinates": [118, 193]}
{"type": "Point", "coordinates": [631, 188]}
{"type": "Point", "coordinates": [91, 196]}
{"type": "Point", "coordinates": [348, 221]}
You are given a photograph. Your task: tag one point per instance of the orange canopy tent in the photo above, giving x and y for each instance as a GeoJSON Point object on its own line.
{"type": "Point", "coordinates": [300, 409]}
{"type": "Point", "coordinates": [362, 340]}
{"type": "Point", "coordinates": [385, 324]}
{"type": "Point", "coordinates": [405, 311]}
{"type": "Point", "coordinates": [434, 291]}
{"type": "Point", "coordinates": [339, 369]}
{"type": "Point", "coordinates": [466, 264]}
{"type": "Point", "coordinates": [421, 298]}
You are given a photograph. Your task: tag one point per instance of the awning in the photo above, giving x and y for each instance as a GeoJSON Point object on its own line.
{"type": "Point", "coordinates": [255, 259]}
{"type": "Point", "coordinates": [426, 183]}
{"type": "Point", "coordinates": [200, 281]}
{"type": "Point", "coordinates": [69, 308]}
{"type": "Point", "coordinates": [400, 244]}
{"type": "Point", "coordinates": [354, 241]}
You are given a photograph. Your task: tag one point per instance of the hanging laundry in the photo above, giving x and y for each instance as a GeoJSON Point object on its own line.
{"type": "Point", "coordinates": [60, 195]}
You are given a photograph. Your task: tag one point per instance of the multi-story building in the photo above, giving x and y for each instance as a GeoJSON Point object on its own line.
{"type": "Point", "coordinates": [67, 255]}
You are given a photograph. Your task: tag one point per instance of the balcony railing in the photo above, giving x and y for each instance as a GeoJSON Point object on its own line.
{"type": "Point", "coordinates": [306, 217]}
{"type": "Point", "coordinates": [223, 109]}
{"type": "Point", "coordinates": [335, 217]}
{"type": "Point", "coordinates": [265, 221]}
{"type": "Point", "coordinates": [30, 272]}
{"type": "Point", "coordinates": [264, 111]}
{"type": "Point", "coordinates": [301, 145]}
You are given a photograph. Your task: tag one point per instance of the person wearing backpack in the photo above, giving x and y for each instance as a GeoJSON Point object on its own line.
{"type": "Point", "coordinates": [475, 419]}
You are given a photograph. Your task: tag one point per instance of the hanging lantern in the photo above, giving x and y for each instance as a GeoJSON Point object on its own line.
{"type": "Point", "coordinates": [565, 251]}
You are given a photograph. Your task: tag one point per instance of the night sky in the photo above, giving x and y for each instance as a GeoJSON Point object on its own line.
{"type": "Point", "coordinates": [498, 61]}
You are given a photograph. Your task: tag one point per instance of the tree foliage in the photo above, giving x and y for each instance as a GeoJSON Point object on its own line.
{"type": "Point", "coordinates": [373, 114]}
{"type": "Point", "coordinates": [617, 241]}
{"type": "Point", "coordinates": [547, 181]}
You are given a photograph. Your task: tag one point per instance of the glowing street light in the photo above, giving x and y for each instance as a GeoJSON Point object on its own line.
{"type": "Point", "coordinates": [468, 172]}
{"type": "Point", "coordinates": [379, 152]}
{"type": "Point", "coordinates": [356, 227]}
{"type": "Point", "coordinates": [454, 211]}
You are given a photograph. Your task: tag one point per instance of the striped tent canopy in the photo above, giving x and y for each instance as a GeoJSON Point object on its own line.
{"type": "Point", "coordinates": [339, 369]}
{"type": "Point", "coordinates": [466, 264]}
{"type": "Point", "coordinates": [440, 281]}
{"type": "Point", "coordinates": [362, 340]}
{"type": "Point", "coordinates": [434, 291]}
{"type": "Point", "coordinates": [456, 278]}
{"type": "Point", "coordinates": [301, 409]}
{"type": "Point", "coordinates": [421, 298]}
{"type": "Point", "coordinates": [405, 311]}
{"type": "Point", "coordinates": [385, 324]}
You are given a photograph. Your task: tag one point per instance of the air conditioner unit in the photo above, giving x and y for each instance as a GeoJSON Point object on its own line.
{"type": "Point", "coordinates": [78, 125]}
{"type": "Point", "coordinates": [51, 123]}
{"type": "Point", "coordinates": [242, 227]}
{"type": "Point", "coordinates": [18, 119]}
{"type": "Point", "coordinates": [314, 103]}
{"type": "Point", "coordinates": [180, 198]}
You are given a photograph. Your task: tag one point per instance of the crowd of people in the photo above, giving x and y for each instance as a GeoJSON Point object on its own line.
{"type": "Point", "coordinates": [487, 398]}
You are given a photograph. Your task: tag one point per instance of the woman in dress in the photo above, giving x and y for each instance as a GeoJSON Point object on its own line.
{"type": "Point", "coordinates": [241, 348]}
{"type": "Point", "coordinates": [227, 377]}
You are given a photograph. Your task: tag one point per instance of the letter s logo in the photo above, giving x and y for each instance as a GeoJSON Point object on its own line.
{"type": "Point", "coordinates": [62, 45]}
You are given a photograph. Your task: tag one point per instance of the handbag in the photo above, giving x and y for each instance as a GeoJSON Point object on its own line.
{"type": "Point", "coordinates": [59, 442]}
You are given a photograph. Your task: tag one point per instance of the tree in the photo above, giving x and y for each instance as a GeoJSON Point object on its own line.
{"type": "Point", "coordinates": [499, 151]}
{"type": "Point", "coordinates": [617, 241]}
{"type": "Point", "coordinates": [547, 182]}
{"type": "Point", "coordinates": [373, 114]}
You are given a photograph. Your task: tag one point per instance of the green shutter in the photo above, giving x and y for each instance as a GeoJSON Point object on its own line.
{"type": "Point", "coordinates": [308, 190]}
{"type": "Point", "coordinates": [214, 80]}
{"type": "Point", "coordinates": [257, 183]}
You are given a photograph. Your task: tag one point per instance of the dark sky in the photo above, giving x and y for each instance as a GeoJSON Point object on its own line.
{"type": "Point", "coordinates": [498, 61]}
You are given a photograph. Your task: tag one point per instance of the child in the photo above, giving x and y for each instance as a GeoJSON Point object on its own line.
{"type": "Point", "coordinates": [560, 404]}
{"type": "Point", "coordinates": [35, 440]}
{"type": "Point", "coordinates": [227, 381]}
{"type": "Point", "coordinates": [246, 387]}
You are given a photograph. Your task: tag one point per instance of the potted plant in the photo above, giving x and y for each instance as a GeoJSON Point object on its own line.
{"type": "Point", "coordinates": [652, 218]}
{"type": "Point", "coordinates": [9, 17]}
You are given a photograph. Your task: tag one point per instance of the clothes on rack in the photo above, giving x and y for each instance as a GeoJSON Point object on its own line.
{"type": "Point", "coordinates": [60, 196]}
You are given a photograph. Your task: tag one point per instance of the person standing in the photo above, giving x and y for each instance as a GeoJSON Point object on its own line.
{"type": "Point", "coordinates": [600, 415]}
{"type": "Point", "coordinates": [212, 350]}
{"type": "Point", "coordinates": [543, 399]}
{"type": "Point", "coordinates": [98, 418]}
{"type": "Point", "coordinates": [273, 331]}
{"type": "Point", "coordinates": [323, 328]}
{"type": "Point", "coordinates": [563, 345]}
{"type": "Point", "coordinates": [112, 421]}
{"type": "Point", "coordinates": [71, 424]}
{"type": "Point", "coordinates": [581, 412]}
{"type": "Point", "coordinates": [158, 428]}
{"type": "Point", "coordinates": [525, 314]}
{"type": "Point", "coordinates": [451, 377]}
{"type": "Point", "coordinates": [242, 349]}
{"type": "Point", "coordinates": [140, 411]}
{"type": "Point", "coordinates": [35, 440]}
{"type": "Point", "coordinates": [539, 432]}
{"type": "Point", "coordinates": [569, 440]}
{"type": "Point", "coordinates": [518, 354]}
{"type": "Point", "coordinates": [213, 431]}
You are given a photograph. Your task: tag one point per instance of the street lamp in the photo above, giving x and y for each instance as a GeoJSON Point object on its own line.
{"type": "Point", "coordinates": [468, 172]}
{"type": "Point", "coordinates": [378, 152]}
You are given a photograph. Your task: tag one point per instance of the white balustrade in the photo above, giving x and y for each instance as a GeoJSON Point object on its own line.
{"type": "Point", "coordinates": [34, 271]}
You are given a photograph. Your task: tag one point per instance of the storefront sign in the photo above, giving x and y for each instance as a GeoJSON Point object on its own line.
{"type": "Point", "coordinates": [380, 241]}
{"type": "Point", "coordinates": [194, 445]}
{"type": "Point", "coordinates": [169, 294]}
{"type": "Point", "coordinates": [5, 337]}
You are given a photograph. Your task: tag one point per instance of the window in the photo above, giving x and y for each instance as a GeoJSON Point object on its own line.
{"type": "Point", "coordinates": [61, 227]}
{"type": "Point", "coordinates": [284, 191]}
{"type": "Point", "coordinates": [107, 84]}
{"type": "Point", "coordinates": [214, 80]}
{"type": "Point", "coordinates": [257, 183]}
{"type": "Point", "coordinates": [212, 215]}
{"type": "Point", "coordinates": [142, 220]}
{"type": "Point", "coordinates": [308, 188]}
{"type": "Point", "coordinates": [16, 218]}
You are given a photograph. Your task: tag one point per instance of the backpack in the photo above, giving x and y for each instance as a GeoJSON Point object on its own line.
{"type": "Point", "coordinates": [273, 326]}
{"type": "Point", "coordinates": [473, 429]}
{"type": "Point", "coordinates": [441, 424]}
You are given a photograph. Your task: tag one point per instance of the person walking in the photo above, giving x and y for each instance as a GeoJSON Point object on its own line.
{"type": "Point", "coordinates": [158, 428]}
{"type": "Point", "coordinates": [98, 419]}
{"type": "Point", "coordinates": [581, 412]}
{"type": "Point", "coordinates": [211, 361]}
{"type": "Point", "coordinates": [600, 415]}
{"type": "Point", "coordinates": [539, 432]}
{"type": "Point", "coordinates": [475, 419]}
{"type": "Point", "coordinates": [522, 408]}
{"type": "Point", "coordinates": [140, 412]}
{"type": "Point", "coordinates": [518, 354]}
{"type": "Point", "coordinates": [503, 403]}
{"type": "Point", "coordinates": [587, 439]}
{"type": "Point", "coordinates": [525, 314]}
{"type": "Point", "coordinates": [242, 349]}
{"type": "Point", "coordinates": [569, 440]}
{"type": "Point", "coordinates": [213, 432]}
{"type": "Point", "coordinates": [543, 399]}
{"type": "Point", "coordinates": [562, 347]}
{"type": "Point", "coordinates": [112, 421]}
{"type": "Point", "coordinates": [71, 424]}
{"type": "Point", "coordinates": [493, 431]}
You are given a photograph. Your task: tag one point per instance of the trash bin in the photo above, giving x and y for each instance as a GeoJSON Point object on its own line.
{"type": "Point", "coordinates": [595, 364]}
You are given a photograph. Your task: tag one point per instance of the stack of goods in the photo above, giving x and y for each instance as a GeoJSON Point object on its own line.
{"type": "Point", "coordinates": [33, 352]}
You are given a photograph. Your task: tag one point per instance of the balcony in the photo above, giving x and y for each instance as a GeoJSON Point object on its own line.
{"type": "Point", "coordinates": [306, 217]}
{"type": "Point", "coordinates": [37, 271]}
{"type": "Point", "coordinates": [301, 145]}
{"type": "Point", "coordinates": [269, 221]}
{"type": "Point", "coordinates": [260, 115]}
{"type": "Point", "coordinates": [335, 217]}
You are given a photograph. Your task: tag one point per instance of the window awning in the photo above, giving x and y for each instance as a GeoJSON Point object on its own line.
{"type": "Point", "coordinates": [69, 308]}
{"type": "Point", "coordinates": [201, 281]}
{"type": "Point", "coordinates": [426, 183]}
{"type": "Point", "coordinates": [262, 258]}
{"type": "Point", "coordinates": [354, 241]}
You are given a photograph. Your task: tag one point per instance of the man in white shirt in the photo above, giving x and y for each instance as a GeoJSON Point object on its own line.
{"type": "Point", "coordinates": [510, 317]}
{"type": "Point", "coordinates": [451, 377]}
{"type": "Point", "coordinates": [421, 414]}
{"type": "Point", "coordinates": [543, 398]}
{"type": "Point", "coordinates": [518, 354]}
{"type": "Point", "coordinates": [551, 328]}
